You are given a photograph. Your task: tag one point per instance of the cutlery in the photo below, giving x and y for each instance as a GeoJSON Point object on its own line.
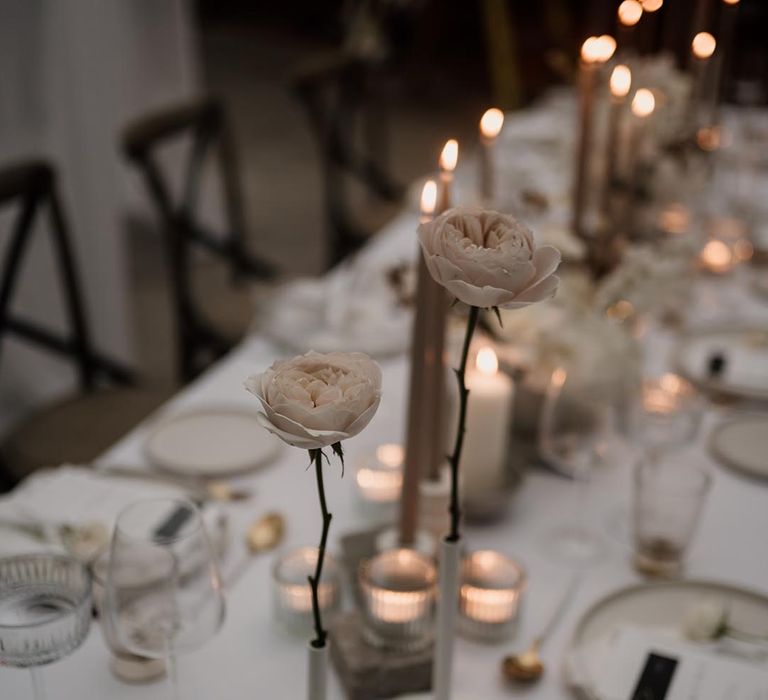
{"type": "Point", "coordinates": [263, 534]}
{"type": "Point", "coordinates": [528, 666]}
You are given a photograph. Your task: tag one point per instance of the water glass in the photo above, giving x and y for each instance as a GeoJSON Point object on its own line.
{"type": "Point", "coordinates": [45, 611]}
{"type": "Point", "coordinates": [163, 593]}
{"type": "Point", "coordinates": [668, 499]}
{"type": "Point", "coordinates": [399, 588]}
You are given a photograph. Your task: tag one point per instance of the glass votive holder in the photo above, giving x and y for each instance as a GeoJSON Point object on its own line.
{"type": "Point", "coordinates": [489, 597]}
{"type": "Point", "coordinates": [293, 594]}
{"type": "Point", "coordinates": [399, 587]}
{"type": "Point", "coordinates": [379, 481]}
{"type": "Point", "coordinates": [668, 500]}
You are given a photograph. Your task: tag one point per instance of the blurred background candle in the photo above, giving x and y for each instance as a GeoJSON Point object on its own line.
{"type": "Point", "coordinates": [620, 84]}
{"type": "Point", "coordinates": [702, 96]}
{"type": "Point", "coordinates": [489, 596]}
{"type": "Point", "coordinates": [379, 478]}
{"type": "Point", "coordinates": [449, 158]}
{"type": "Point", "coordinates": [595, 52]}
{"type": "Point", "coordinates": [643, 106]}
{"type": "Point", "coordinates": [629, 14]}
{"type": "Point", "coordinates": [490, 127]}
{"type": "Point", "coordinates": [488, 424]}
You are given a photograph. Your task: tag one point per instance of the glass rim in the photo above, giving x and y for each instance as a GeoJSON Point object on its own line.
{"type": "Point", "coordinates": [329, 564]}
{"type": "Point", "coordinates": [83, 598]}
{"type": "Point", "coordinates": [364, 572]}
{"type": "Point", "coordinates": [522, 574]}
{"type": "Point", "coordinates": [178, 501]}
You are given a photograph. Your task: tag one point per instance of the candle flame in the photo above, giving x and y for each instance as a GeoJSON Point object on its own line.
{"type": "Point", "coordinates": [429, 198]}
{"type": "Point", "coordinates": [653, 5]}
{"type": "Point", "coordinates": [449, 155]}
{"type": "Point", "coordinates": [558, 377]}
{"type": "Point", "coordinates": [621, 81]}
{"type": "Point", "coordinates": [491, 123]}
{"type": "Point", "coordinates": [731, 2]}
{"type": "Point", "coordinates": [390, 455]}
{"type": "Point", "coordinates": [630, 12]}
{"type": "Point", "coordinates": [598, 49]}
{"type": "Point", "coordinates": [672, 383]}
{"type": "Point", "coordinates": [703, 45]}
{"type": "Point", "coordinates": [643, 103]}
{"type": "Point", "coordinates": [716, 255]}
{"type": "Point", "coordinates": [487, 362]}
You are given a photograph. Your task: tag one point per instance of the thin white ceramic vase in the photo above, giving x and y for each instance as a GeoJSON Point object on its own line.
{"type": "Point", "coordinates": [447, 613]}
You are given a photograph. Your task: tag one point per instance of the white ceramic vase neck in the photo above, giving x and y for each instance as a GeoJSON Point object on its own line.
{"type": "Point", "coordinates": [317, 679]}
{"type": "Point", "coordinates": [447, 611]}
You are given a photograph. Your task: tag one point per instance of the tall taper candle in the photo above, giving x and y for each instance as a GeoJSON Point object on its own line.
{"type": "Point", "coordinates": [630, 12]}
{"type": "Point", "coordinates": [595, 51]}
{"type": "Point", "coordinates": [702, 48]}
{"type": "Point", "coordinates": [417, 443]}
{"type": "Point", "coordinates": [449, 157]}
{"type": "Point", "coordinates": [490, 127]}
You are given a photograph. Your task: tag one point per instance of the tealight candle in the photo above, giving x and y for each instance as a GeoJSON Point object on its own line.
{"type": "Point", "coordinates": [489, 596]}
{"type": "Point", "coordinates": [399, 589]}
{"type": "Point", "coordinates": [717, 257]}
{"type": "Point", "coordinates": [490, 127]}
{"type": "Point", "coordinates": [380, 479]}
{"type": "Point", "coordinates": [671, 411]}
{"type": "Point", "coordinates": [292, 593]}
{"type": "Point", "coordinates": [489, 410]}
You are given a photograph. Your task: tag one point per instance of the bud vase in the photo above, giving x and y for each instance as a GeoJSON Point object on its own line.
{"type": "Point", "coordinates": [318, 672]}
{"type": "Point", "coordinates": [447, 613]}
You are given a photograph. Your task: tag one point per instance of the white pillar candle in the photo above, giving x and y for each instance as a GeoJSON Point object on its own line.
{"type": "Point", "coordinates": [487, 429]}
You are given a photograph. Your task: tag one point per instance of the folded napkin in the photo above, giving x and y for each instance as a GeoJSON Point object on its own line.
{"type": "Point", "coordinates": [75, 509]}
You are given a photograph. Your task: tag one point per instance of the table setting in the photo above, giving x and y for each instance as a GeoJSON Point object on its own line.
{"type": "Point", "coordinates": [516, 445]}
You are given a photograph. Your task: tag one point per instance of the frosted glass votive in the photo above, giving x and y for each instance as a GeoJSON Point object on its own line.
{"type": "Point", "coordinates": [399, 587]}
{"type": "Point", "coordinates": [489, 596]}
{"type": "Point", "coordinates": [293, 594]}
{"type": "Point", "coordinates": [379, 481]}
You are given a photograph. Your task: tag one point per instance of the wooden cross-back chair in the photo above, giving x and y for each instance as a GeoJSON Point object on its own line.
{"type": "Point", "coordinates": [80, 427]}
{"type": "Point", "coordinates": [199, 337]}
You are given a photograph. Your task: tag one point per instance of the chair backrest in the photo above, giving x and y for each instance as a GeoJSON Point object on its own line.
{"type": "Point", "coordinates": [31, 187]}
{"type": "Point", "coordinates": [204, 122]}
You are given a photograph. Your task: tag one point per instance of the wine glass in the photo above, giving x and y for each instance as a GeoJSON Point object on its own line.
{"type": "Point", "coordinates": [163, 594]}
{"type": "Point", "coordinates": [45, 611]}
{"type": "Point", "coordinates": [578, 432]}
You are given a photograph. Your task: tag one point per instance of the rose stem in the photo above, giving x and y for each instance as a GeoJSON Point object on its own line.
{"type": "Point", "coordinates": [314, 581]}
{"type": "Point", "coordinates": [453, 536]}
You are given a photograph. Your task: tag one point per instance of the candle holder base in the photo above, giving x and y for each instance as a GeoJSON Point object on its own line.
{"type": "Point", "coordinates": [368, 673]}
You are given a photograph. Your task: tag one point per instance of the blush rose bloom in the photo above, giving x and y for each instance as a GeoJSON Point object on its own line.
{"type": "Point", "coordinates": [487, 259]}
{"type": "Point", "coordinates": [316, 400]}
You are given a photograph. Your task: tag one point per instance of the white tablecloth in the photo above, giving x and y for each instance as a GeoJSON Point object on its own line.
{"type": "Point", "coordinates": [253, 658]}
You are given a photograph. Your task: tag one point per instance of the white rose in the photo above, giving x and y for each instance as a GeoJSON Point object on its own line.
{"type": "Point", "coordinates": [705, 621]}
{"type": "Point", "coordinates": [488, 259]}
{"type": "Point", "coordinates": [316, 400]}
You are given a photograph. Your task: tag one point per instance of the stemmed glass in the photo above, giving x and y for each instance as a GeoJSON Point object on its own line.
{"type": "Point", "coordinates": [45, 611]}
{"type": "Point", "coordinates": [577, 433]}
{"type": "Point", "coordinates": [163, 595]}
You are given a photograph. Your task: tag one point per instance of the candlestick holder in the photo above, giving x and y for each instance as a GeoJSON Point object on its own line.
{"type": "Point", "coordinates": [491, 588]}
{"type": "Point", "coordinates": [399, 590]}
{"type": "Point", "coordinates": [292, 592]}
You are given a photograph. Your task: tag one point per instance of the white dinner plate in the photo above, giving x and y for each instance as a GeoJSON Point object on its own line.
{"type": "Point", "coordinates": [745, 350]}
{"type": "Point", "coordinates": [663, 605]}
{"type": "Point", "coordinates": [213, 441]}
{"type": "Point", "coordinates": [742, 444]}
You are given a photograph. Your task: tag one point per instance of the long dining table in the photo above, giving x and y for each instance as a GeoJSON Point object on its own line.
{"type": "Point", "coordinates": [254, 657]}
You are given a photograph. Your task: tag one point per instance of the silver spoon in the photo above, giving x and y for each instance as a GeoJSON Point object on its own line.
{"type": "Point", "coordinates": [528, 666]}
